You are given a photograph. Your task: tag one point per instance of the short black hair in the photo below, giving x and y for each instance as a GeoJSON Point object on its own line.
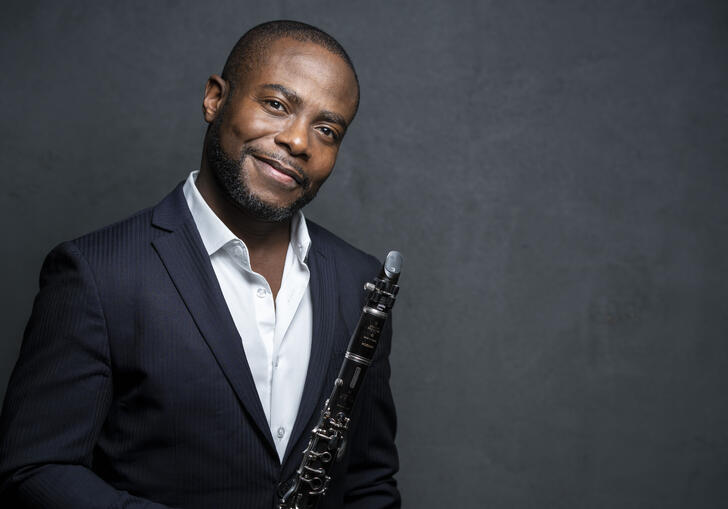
{"type": "Point", "coordinates": [251, 47]}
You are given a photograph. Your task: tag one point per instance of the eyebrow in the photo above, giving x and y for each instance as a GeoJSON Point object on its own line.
{"type": "Point", "coordinates": [293, 97]}
{"type": "Point", "coordinates": [290, 95]}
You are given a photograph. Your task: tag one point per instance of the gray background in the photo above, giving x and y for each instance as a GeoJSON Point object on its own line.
{"type": "Point", "coordinates": [554, 172]}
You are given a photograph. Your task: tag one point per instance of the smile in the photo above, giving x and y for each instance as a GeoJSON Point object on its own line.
{"type": "Point", "coordinates": [278, 171]}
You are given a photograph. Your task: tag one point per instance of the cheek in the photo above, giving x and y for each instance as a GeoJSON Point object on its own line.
{"type": "Point", "coordinates": [325, 157]}
{"type": "Point", "coordinates": [251, 126]}
{"type": "Point", "coordinates": [320, 174]}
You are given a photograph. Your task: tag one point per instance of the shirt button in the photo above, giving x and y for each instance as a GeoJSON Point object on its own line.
{"type": "Point", "coordinates": [281, 431]}
{"type": "Point", "coordinates": [261, 292]}
{"type": "Point", "coordinates": [275, 363]}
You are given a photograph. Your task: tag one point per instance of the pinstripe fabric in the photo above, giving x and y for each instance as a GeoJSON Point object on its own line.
{"type": "Point", "coordinates": [132, 389]}
{"type": "Point", "coordinates": [325, 298]}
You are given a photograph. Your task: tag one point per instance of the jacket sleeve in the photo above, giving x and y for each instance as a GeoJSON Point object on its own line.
{"type": "Point", "coordinates": [58, 396]}
{"type": "Point", "coordinates": [374, 459]}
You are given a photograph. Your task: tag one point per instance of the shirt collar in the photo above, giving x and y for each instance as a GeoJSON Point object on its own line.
{"type": "Point", "coordinates": [215, 234]}
{"type": "Point", "coordinates": [300, 241]}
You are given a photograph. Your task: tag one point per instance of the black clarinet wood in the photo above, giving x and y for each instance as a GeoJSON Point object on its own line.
{"type": "Point", "coordinates": [328, 438]}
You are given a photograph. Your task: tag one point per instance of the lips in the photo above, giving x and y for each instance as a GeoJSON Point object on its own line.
{"type": "Point", "coordinates": [281, 168]}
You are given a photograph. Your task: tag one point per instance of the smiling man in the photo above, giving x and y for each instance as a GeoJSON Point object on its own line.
{"type": "Point", "coordinates": [180, 358]}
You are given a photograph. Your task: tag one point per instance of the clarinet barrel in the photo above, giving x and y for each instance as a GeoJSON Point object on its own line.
{"type": "Point", "coordinates": [328, 438]}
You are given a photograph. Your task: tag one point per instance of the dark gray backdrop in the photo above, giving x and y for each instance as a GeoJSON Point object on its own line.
{"type": "Point", "coordinates": [554, 172]}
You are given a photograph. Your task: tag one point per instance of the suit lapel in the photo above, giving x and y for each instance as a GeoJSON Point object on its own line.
{"type": "Point", "coordinates": [189, 267]}
{"type": "Point", "coordinates": [325, 301]}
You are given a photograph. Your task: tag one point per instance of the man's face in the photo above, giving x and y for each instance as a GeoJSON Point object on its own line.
{"type": "Point", "coordinates": [275, 140]}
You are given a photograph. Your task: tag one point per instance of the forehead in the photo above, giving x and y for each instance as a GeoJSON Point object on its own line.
{"type": "Point", "coordinates": [320, 77]}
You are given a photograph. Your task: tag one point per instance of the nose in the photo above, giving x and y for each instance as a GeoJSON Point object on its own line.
{"type": "Point", "coordinates": [294, 138]}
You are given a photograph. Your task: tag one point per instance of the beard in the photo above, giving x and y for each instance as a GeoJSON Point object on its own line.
{"type": "Point", "coordinates": [233, 179]}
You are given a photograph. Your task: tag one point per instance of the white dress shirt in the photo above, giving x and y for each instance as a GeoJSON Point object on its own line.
{"type": "Point", "coordinates": [276, 337]}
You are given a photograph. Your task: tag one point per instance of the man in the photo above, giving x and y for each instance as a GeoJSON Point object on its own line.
{"type": "Point", "coordinates": [180, 358]}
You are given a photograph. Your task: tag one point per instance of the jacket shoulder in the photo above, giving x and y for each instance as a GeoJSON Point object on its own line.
{"type": "Point", "coordinates": [132, 225]}
{"type": "Point", "coordinates": [344, 253]}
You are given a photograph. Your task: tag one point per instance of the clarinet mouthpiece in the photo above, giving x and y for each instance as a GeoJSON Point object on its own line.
{"type": "Point", "coordinates": [393, 265]}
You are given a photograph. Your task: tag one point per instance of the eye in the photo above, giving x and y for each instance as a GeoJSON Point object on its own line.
{"type": "Point", "coordinates": [276, 105]}
{"type": "Point", "coordinates": [328, 132]}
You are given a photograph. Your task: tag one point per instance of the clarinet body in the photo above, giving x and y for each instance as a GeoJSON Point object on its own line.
{"type": "Point", "coordinates": [328, 438]}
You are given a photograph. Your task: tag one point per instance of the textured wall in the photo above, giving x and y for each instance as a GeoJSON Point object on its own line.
{"type": "Point", "coordinates": [554, 172]}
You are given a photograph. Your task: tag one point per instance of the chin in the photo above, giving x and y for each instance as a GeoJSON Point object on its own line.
{"type": "Point", "coordinates": [264, 210]}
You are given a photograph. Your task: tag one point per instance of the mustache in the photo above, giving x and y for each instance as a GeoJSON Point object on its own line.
{"type": "Point", "coordinates": [253, 151]}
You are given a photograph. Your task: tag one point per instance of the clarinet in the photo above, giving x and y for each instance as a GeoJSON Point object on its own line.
{"type": "Point", "coordinates": [328, 438]}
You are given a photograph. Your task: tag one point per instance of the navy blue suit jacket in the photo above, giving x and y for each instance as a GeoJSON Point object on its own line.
{"type": "Point", "coordinates": [132, 388]}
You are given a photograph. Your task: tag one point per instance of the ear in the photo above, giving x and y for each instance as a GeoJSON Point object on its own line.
{"type": "Point", "coordinates": [216, 92]}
